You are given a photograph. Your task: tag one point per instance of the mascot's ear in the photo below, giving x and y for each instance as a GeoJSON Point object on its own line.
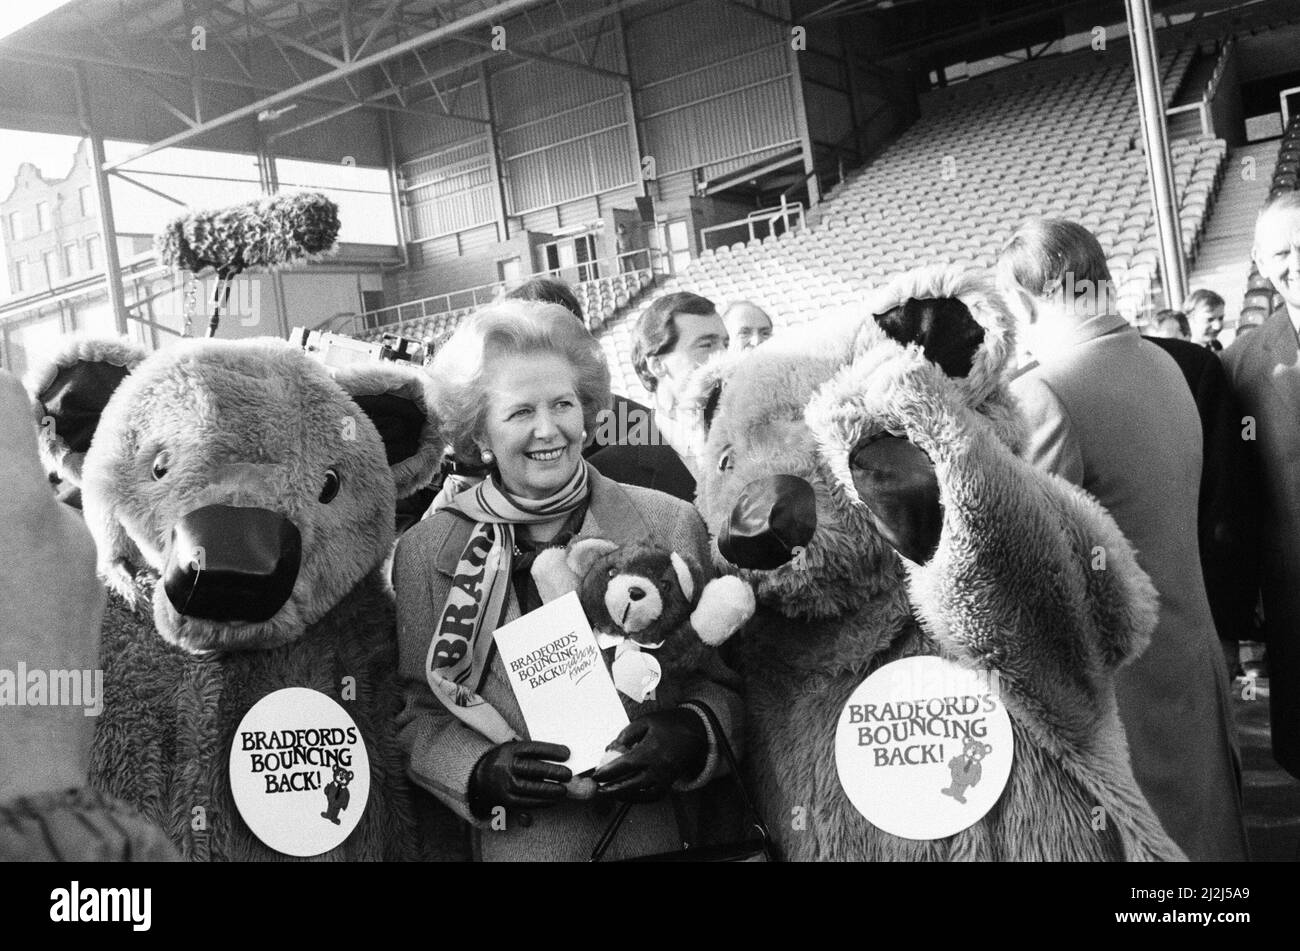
{"type": "Point", "coordinates": [897, 483]}
{"type": "Point", "coordinates": [943, 327]}
{"type": "Point", "coordinates": [583, 554]}
{"type": "Point", "coordinates": [957, 318]}
{"type": "Point", "coordinates": [69, 391]}
{"type": "Point", "coordinates": [396, 399]}
{"type": "Point", "coordinates": [685, 577]}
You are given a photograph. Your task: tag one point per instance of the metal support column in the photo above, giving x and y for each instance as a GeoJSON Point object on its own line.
{"type": "Point", "coordinates": [269, 178]}
{"type": "Point", "coordinates": [801, 124]}
{"type": "Point", "coordinates": [1155, 135]}
{"type": "Point", "coordinates": [395, 187]}
{"type": "Point", "coordinates": [498, 177]}
{"type": "Point", "coordinates": [103, 206]}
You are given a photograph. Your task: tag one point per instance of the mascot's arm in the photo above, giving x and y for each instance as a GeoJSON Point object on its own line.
{"type": "Point", "coordinates": [51, 605]}
{"type": "Point", "coordinates": [1010, 586]}
{"type": "Point", "coordinates": [50, 609]}
{"type": "Point", "coordinates": [715, 685]}
{"type": "Point", "coordinates": [440, 750]}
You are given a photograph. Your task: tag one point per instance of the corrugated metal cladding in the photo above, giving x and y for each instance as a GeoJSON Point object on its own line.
{"type": "Point", "coordinates": [694, 36]}
{"type": "Point", "coordinates": [544, 220]}
{"type": "Point", "coordinates": [447, 163]}
{"type": "Point", "coordinates": [452, 213]}
{"type": "Point", "coordinates": [414, 136]}
{"type": "Point", "coordinates": [725, 94]}
{"type": "Point", "coordinates": [478, 239]}
{"type": "Point", "coordinates": [675, 187]}
{"type": "Point", "coordinates": [570, 142]}
{"type": "Point", "coordinates": [451, 190]}
{"type": "Point", "coordinates": [578, 212]}
{"type": "Point", "coordinates": [594, 116]}
{"type": "Point", "coordinates": [515, 91]}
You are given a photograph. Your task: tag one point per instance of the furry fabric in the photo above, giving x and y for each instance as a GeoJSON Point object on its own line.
{"type": "Point", "coordinates": [249, 424]}
{"type": "Point", "coordinates": [266, 233]}
{"type": "Point", "coordinates": [58, 457]}
{"type": "Point", "coordinates": [170, 717]}
{"type": "Point", "coordinates": [1014, 588]}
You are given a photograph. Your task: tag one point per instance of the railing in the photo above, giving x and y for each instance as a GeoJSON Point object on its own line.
{"type": "Point", "coordinates": [789, 215]}
{"type": "Point", "coordinates": [578, 275]}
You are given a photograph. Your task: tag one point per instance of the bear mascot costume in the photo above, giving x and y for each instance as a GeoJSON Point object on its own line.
{"type": "Point", "coordinates": [242, 496]}
{"type": "Point", "coordinates": [866, 480]}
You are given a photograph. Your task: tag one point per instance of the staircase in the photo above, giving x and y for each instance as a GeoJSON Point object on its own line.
{"type": "Point", "coordinates": [1223, 263]}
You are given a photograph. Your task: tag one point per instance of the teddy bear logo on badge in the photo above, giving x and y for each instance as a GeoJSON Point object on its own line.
{"type": "Point", "coordinates": [966, 769]}
{"type": "Point", "coordinates": [336, 794]}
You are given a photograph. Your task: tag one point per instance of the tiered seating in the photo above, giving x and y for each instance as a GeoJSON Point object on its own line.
{"type": "Point", "coordinates": [601, 298]}
{"type": "Point", "coordinates": [954, 187]}
{"type": "Point", "coordinates": [1261, 299]}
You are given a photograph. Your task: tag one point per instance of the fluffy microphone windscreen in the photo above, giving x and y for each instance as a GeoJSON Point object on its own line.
{"type": "Point", "coordinates": [266, 233]}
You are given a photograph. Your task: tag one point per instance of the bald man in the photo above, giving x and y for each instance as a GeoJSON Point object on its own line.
{"type": "Point", "coordinates": [1264, 369]}
{"type": "Point", "coordinates": [747, 325]}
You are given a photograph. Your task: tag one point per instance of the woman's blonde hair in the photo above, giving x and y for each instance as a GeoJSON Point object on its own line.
{"type": "Point", "coordinates": [511, 327]}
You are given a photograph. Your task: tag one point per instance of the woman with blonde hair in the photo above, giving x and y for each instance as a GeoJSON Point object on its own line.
{"type": "Point", "coordinates": [518, 386]}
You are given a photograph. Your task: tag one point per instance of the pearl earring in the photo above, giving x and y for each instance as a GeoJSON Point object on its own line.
{"type": "Point", "coordinates": [487, 457]}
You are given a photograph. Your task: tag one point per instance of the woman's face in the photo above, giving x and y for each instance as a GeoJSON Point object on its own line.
{"type": "Point", "coordinates": [534, 422]}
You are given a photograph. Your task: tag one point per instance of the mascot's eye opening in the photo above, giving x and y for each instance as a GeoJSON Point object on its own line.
{"type": "Point", "coordinates": [724, 461]}
{"type": "Point", "coordinates": [161, 463]}
{"type": "Point", "coordinates": [332, 485]}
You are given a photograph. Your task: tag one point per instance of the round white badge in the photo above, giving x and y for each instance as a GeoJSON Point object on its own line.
{"type": "Point", "coordinates": [924, 747]}
{"type": "Point", "coordinates": [299, 771]}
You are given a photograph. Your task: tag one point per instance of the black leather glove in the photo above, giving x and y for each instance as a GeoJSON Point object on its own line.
{"type": "Point", "coordinates": [517, 775]}
{"type": "Point", "coordinates": [662, 747]}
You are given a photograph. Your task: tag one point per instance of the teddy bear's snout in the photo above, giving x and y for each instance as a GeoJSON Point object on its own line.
{"type": "Point", "coordinates": [634, 603]}
{"type": "Point", "coordinates": [229, 563]}
{"type": "Point", "coordinates": [773, 516]}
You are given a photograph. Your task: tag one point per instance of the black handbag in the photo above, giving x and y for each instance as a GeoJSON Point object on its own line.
{"type": "Point", "coordinates": [756, 847]}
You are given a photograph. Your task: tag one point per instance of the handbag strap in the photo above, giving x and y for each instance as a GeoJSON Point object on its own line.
{"type": "Point", "coordinates": [729, 757]}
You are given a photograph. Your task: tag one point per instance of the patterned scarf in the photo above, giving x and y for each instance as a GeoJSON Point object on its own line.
{"type": "Point", "coordinates": [458, 655]}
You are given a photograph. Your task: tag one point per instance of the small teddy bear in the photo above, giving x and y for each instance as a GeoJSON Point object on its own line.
{"type": "Point", "coordinates": [336, 794]}
{"type": "Point", "coordinates": [640, 600]}
{"type": "Point", "coordinates": [966, 769]}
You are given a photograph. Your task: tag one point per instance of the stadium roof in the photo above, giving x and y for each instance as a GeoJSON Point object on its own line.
{"type": "Point", "coordinates": [232, 74]}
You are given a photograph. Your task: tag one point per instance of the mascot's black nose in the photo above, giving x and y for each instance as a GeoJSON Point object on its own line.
{"type": "Point", "coordinates": [232, 564]}
{"type": "Point", "coordinates": [773, 516]}
{"type": "Point", "coordinates": [636, 594]}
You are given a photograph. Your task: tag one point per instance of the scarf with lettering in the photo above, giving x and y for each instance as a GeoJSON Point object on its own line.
{"type": "Point", "coordinates": [458, 655]}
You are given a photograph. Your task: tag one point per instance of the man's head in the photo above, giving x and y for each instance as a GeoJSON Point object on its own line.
{"type": "Point", "coordinates": [1277, 248]}
{"type": "Point", "coordinates": [676, 334]}
{"type": "Point", "coordinates": [549, 291]}
{"type": "Point", "coordinates": [1172, 325]}
{"type": "Point", "coordinates": [747, 324]}
{"type": "Point", "coordinates": [1054, 276]}
{"type": "Point", "coordinates": [1204, 310]}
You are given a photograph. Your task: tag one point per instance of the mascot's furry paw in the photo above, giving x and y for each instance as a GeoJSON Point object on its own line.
{"type": "Point", "coordinates": [914, 398]}
{"type": "Point", "coordinates": [724, 607]}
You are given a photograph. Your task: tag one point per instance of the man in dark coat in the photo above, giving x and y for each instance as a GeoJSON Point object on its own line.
{"type": "Point", "coordinates": [1264, 369]}
{"type": "Point", "coordinates": [1228, 510]}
